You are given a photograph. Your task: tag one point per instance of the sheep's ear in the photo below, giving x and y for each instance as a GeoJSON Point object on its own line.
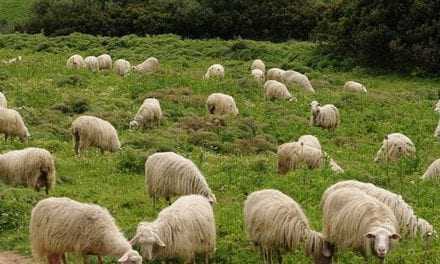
{"type": "Point", "coordinates": [395, 236]}
{"type": "Point", "coordinates": [159, 241]}
{"type": "Point", "coordinates": [135, 239]}
{"type": "Point", "coordinates": [123, 259]}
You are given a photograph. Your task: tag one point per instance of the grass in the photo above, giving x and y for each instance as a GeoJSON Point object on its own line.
{"type": "Point", "coordinates": [15, 10]}
{"type": "Point", "coordinates": [237, 156]}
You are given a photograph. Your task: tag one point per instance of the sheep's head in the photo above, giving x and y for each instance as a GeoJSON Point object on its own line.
{"type": "Point", "coordinates": [24, 137]}
{"type": "Point", "coordinates": [134, 125]}
{"type": "Point", "coordinates": [426, 229]}
{"type": "Point", "coordinates": [43, 180]}
{"type": "Point", "coordinates": [131, 257]}
{"type": "Point", "coordinates": [147, 238]}
{"type": "Point", "coordinates": [211, 199]}
{"type": "Point", "coordinates": [325, 254]}
{"type": "Point", "coordinates": [381, 241]}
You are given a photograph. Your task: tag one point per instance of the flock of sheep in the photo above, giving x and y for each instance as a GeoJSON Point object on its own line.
{"type": "Point", "coordinates": [356, 215]}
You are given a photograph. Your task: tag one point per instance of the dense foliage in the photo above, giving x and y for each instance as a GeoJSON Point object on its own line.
{"type": "Point", "coordinates": [272, 20]}
{"type": "Point", "coordinates": [397, 35]}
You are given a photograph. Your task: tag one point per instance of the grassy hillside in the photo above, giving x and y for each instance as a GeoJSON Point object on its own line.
{"type": "Point", "coordinates": [237, 155]}
{"type": "Point", "coordinates": [15, 10]}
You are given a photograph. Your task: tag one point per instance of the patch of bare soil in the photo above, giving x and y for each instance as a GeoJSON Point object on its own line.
{"type": "Point", "coordinates": [13, 258]}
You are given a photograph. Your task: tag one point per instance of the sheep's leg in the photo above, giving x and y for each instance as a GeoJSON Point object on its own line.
{"type": "Point", "coordinates": [100, 260]}
{"type": "Point", "coordinates": [279, 257]}
{"type": "Point", "coordinates": [54, 259]}
{"type": "Point", "coordinates": [6, 138]}
{"type": "Point", "coordinates": [86, 259]}
{"type": "Point", "coordinates": [102, 151]}
{"type": "Point", "coordinates": [64, 258]}
{"type": "Point", "coordinates": [168, 200]}
{"type": "Point", "coordinates": [206, 258]}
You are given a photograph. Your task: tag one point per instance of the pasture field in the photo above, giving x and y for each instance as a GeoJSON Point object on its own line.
{"type": "Point", "coordinates": [237, 155]}
{"type": "Point", "coordinates": [15, 10]}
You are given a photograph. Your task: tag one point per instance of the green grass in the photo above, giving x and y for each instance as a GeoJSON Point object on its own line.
{"type": "Point", "coordinates": [237, 157]}
{"type": "Point", "coordinates": [15, 10]}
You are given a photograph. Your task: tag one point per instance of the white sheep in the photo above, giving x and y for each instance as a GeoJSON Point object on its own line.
{"type": "Point", "coordinates": [90, 131]}
{"type": "Point", "coordinates": [355, 220]}
{"type": "Point", "coordinates": [61, 225]}
{"type": "Point", "coordinates": [294, 155]}
{"type": "Point", "coordinates": [92, 63]}
{"type": "Point", "coordinates": [121, 67]}
{"type": "Point", "coordinates": [168, 174]}
{"type": "Point", "coordinates": [258, 75]}
{"type": "Point", "coordinates": [290, 77]}
{"type": "Point", "coordinates": [410, 224]}
{"type": "Point", "coordinates": [310, 140]}
{"type": "Point", "coordinates": [437, 130]}
{"type": "Point", "coordinates": [148, 114]}
{"type": "Point", "coordinates": [394, 147]}
{"type": "Point", "coordinates": [275, 223]}
{"type": "Point", "coordinates": [13, 60]}
{"type": "Point", "coordinates": [12, 125]}
{"type": "Point", "coordinates": [258, 65]}
{"type": "Point", "coordinates": [3, 101]}
{"type": "Point", "coordinates": [221, 104]}
{"type": "Point", "coordinates": [215, 71]}
{"type": "Point", "coordinates": [326, 116]}
{"type": "Point", "coordinates": [31, 167]}
{"type": "Point", "coordinates": [276, 90]}
{"type": "Point", "coordinates": [76, 62]}
{"type": "Point", "coordinates": [355, 87]}
{"type": "Point", "coordinates": [275, 74]}
{"type": "Point", "coordinates": [150, 65]}
{"type": "Point", "coordinates": [105, 62]}
{"type": "Point", "coordinates": [183, 230]}
{"type": "Point", "coordinates": [437, 107]}
{"type": "Point", "coordinates": [433, 171]}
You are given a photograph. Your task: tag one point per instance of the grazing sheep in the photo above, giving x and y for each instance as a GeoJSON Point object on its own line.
{"type": "Point", "coordinates": [215, 71]}
{"type": "Point", "coordinates": [310, 140]}
{"type": "Point", "coordinates": [150, 65]}
{"type": "Point", "coordinates": [221, 104]}
{"type": "Point", "coordinates": [31, 167]}
{"type": "Point", "coordinates": [292, 156]}
{"type": "Point", "coordinates": [334, 166]}
{"type": "Point", "coordinates": [149, 113]}
{"type": "Point", "coordinates": [275, 74]}
{"type": "Point", "coordinates": [92, 63]}
{"type": "Point", "coordinates": [437, 107]}
{"type": "Point", "coordinates": [355, 87]}
{"type": "Point", "coordinates": [277, 90]}
{"type": "Point", "coordinates": [410, 224]}
{"type": "Point", "coordinates": [3, 101]}
{"type": "Point", "coordinates": [326, 116]}
{"type": "Point", "coordinates": [105, 62]}
{"type": "Point", "coordinates": [433, 171]}
{"type": "Point", "coordinates": [12, 125]}
{"type": "Point", "coordinates": [353, 219]}
{"type": "Point", "coordinates": [76, 62]}
{"type": "Point", "coordinates": [394, 147]}
{"type": "Point", "coordinates": [437, 130]}
{"type": "Point", "coordinates": [121, 67]}
{"type": "Point", "coordinates": [275, 223]}
{"type": "Point", "coordinates": [290, 77]}
{"type": "Point", "coordinates": [61, 225]}
{"type": "Point", "coordinates": [258, 75]}
{"type": "Point", "coordinates": [183, 230]}
{"type": "Point", "coordinates": [168, 174]}
{"type": "Point", "coordinates": [90, 131]}
{"type": "Point", "coordinates": [258, 65]}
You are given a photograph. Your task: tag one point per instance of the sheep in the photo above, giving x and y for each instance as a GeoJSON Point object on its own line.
{"type": "Point", "coordinates": [355, 87]}
{"type": "Point", "coordinates": [13, 60]}
{"type": "Point", "coordinates": [258, 65]}
{"type": "Point", "coordinates": [215, 71]}
{"type": "Point", "coordinates": [333, 165]}
{"type": "Point", "coordinates": [105, 62]}
{"type": "Point", "coordinates": [183, 230]}
{"type": "Point", "coordinates": [76, 62]}
{"type": "Point", "coordinates": [353, 219]}
{"type": "Point", "coordinates": [275, 223]}
{"type": "Point", "coordinates": [92, 63]}
{"type": "Point", "coordinates": [326, 116]}
{"type": "Point", "coordinates": [295, 154]}
{"type": "Point", "coordinates": [437, 130]}
{"type": "Point", "coordinates": [168, 174]}
{"type": "Point", "coordinates": [61, 225]}
{"type": "Point", "coordinates": [277, 90]}
{"type": "Point", "coordinates": [12, 125]}
{"type": "Point", "coordinates": [275, 74]}
{"type": "Point", "coordinates": [310, 140]}
{"type": "Point", "coordinates": [394, 147]}
{"type": "Point", "coordinates": [90, 131]}
{"type": "Point", "coordinates": [121, 67]}
{"type": "Point", "coordinates": [3, 101]}
{"type": "Point", "coordinates": [150, 65]}
{"type": "Point", "coordinates": [437, 107]}
{"type": "Point", "coordinates": [433, 171]}
{"type": "Point", "coordinates": [290, 77]}
{"type": "Point", "coordinates": [149, 112]}
{"type": "Point", "coordinates": [221, 104]}
{"type": "Point", "coordinates": [31, 167]}
{"type": "Point", "coordinates": [410, 224]}
{"type": "Point", "coordinates": [258, 75]}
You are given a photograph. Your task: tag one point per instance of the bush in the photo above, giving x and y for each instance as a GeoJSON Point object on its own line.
{"type": "Point", "coordinates": [397, 35]}
{"type": "Point", "coordinates": [271, 20]}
